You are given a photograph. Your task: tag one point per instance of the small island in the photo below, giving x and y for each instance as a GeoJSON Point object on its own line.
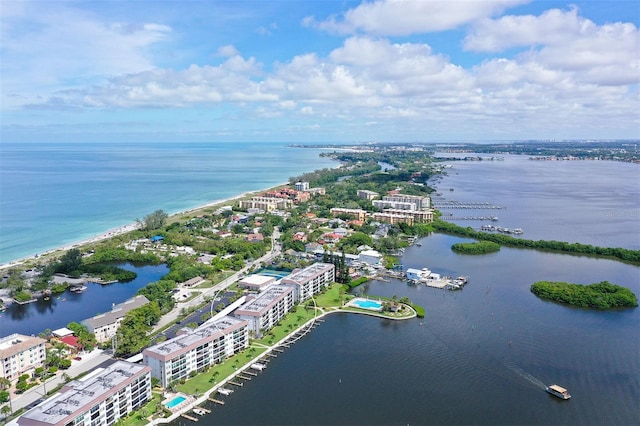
{"type": "Point", "coordinates": [479, 247]}
{"type": "Point", "coordinates": [602, 295]}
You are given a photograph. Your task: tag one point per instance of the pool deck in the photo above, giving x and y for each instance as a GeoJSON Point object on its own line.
{"type": "Point", "coordinates": [188, 400]}
{"type": "Point", "coordinates": [356, 303]}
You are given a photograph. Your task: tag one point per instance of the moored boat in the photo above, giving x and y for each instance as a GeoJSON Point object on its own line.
{"type": "Point", "coordinates": [558, 391]}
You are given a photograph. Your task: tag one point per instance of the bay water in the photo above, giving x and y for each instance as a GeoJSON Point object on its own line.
{"type": "Point", "coordinates": [61, 309]}
{"type": "Point", "coordinates": [483, 355]}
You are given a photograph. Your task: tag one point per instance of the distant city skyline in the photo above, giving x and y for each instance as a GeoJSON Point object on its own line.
{"type": "Point", "coordinates": [319, 71]}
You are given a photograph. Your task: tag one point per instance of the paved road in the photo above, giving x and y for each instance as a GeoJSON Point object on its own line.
{"type": "Point", "coordinates": [220, 287]}
{"type": "Point", "coordinates": [97, 357]}
{"type": "Point", "coordinates": [89, 362]}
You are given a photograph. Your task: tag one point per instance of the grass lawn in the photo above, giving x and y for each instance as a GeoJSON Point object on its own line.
{"type": "Point", "coordinates": [292, 321]}
{"type": "Point", "coordinates": [139, 417]}
{"type": "Point", "coordinates": [206, 380]}
{"type": "Point", "coordinates": [331, 298]}
{"type": "Point", "coordinates": [217, 278]}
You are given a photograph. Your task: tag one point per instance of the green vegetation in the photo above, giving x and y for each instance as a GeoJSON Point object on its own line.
{"type": "Point", "coordinates": [132, 335]}
{"type": "Point", "coordinates": [355, 283]}
{"type": "Point", "coordinates": [621, 254]}
{"type": "Point", "coordinates": [85, 338]}
{"type": "Point", "coordinates": [153, 221]}
{"type": "Point", "coordinates": [22, 296]}
{"type": "Point", "coordinates": [480, 247]}
{"type": "Point", "coordinates": [602, 295]}
{"type": "Point", "coordinates": [419, 310]}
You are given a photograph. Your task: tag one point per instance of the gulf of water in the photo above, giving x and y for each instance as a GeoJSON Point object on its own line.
{"type": "Point", "coordinates": [53, 194]}
{"type": "Point", "coordinates": [483, 355]}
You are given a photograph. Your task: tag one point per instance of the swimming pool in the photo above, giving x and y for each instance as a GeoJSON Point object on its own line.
{"type": "Point", "coordinates": [372, 305]}
{"type": "Point", "coordinates": [175, 401]}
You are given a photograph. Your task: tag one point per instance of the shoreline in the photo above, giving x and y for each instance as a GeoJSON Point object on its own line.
{"type": "Point", "coordinates": [124, 229]}
{"type": "Point", "coordinates": [205, 396]}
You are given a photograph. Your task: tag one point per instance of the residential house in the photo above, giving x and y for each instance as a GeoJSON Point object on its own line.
{"type": "Point", "coordinates": [104, 326]}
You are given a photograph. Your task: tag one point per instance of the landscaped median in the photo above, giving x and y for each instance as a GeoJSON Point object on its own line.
{"type": "Point", "coordinates": [202, 385]}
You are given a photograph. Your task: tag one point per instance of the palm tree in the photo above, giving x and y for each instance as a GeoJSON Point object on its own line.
{"type": "Point", "coordinates": [4, 383]}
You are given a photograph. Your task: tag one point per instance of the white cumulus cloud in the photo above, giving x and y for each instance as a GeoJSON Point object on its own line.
{"type": "Point", "coordinates": [404, 17]}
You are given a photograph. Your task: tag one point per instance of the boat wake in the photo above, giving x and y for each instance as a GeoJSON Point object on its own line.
{"type": "Point", "coordinates": [520, 372]}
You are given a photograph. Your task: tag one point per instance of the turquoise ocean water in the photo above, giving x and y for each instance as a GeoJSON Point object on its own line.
{"type": "Point", "coordinates": [53, 194]}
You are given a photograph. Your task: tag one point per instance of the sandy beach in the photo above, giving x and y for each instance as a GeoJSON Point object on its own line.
{"type": "Point", "coordinates": [128, 228]}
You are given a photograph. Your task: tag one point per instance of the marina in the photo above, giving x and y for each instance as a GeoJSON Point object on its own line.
{"type": "Point", "coordinates": [503, 230]}
{"type": "Point", "coordinates": [430, 279]}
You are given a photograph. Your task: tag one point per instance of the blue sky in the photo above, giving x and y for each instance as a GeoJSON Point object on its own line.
{"type": "Point", "coordinates": [319, 71]}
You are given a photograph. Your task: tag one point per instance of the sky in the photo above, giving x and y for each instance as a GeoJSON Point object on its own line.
{"type": "Point", "coordinates": [319, 70]}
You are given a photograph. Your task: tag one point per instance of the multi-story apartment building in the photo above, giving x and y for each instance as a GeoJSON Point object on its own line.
{"type": "Point", "coordinates": [419, 216]}
{"type": "Point", "coordinates": [310, 280]}
{"type": "Point", "coordinates": [267, 309]}
{"type": "Point", "coordinates": [366, 194]}
{"type": "Point", "coordinates": [302, 186]}
{"type": "Point", "coordinates": [194, 350]}
{"type": "Point", "coordinates": [268, 204]}
{"type": "Point", "coordinates": [99, 399]}
{"type": "Point", "coordinates": [104, 326]}
{"type": "Point", "coordinates": [20, 354]}
{"type": "Point", "coordinates": [357, 214]}
{"type": "Point", "coordinates": [398, 205]}
{"type": "Point", "coordinates": [422, 203]}
{"type": "Point", "coordinates": [316, 191]}
{"type": "Point", "coordinates": [393, 218]}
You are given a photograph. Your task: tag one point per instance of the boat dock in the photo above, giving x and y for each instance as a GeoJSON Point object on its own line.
{"type": "Point", "coordinates": [201, 411]}
{"type": "Point", "coordinates": [493, 218]}
{"type": "Point", "coordinates": [463, 205]}
{"type": "Point", "coordinates": [216, 401]}
{"type": "Point", "coordinates": [188, 417]}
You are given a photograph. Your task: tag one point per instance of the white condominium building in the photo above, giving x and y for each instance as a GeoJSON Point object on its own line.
{"type": "Point", "coordinates": [196, 349]}
{"type": "Point", "coordinates": [20, 354]}
{"type": "Point", "coordinates": [310, 280]}
{"type": "Point", "coordinates": [400, 205]}
{"type": "Point", "coordinates": [302, 186]}
{"type": "Point", "coordinates": [101, 398]}
{"type": "Point", "coordinates": [422, 203]}
{"type": "Point", "coordinates": [267, 309]}
{"type": "Point", "coordinates": [367, 195]}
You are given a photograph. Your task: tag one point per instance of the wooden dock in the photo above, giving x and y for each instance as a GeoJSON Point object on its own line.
{"type": "Point", "coordinates": [188, 417]}
{"type": "Point", "coordinates": [217, 401]}
{"type": "Point", "coordinates": [251, 373]}
{"type": "Point", "coordinates": [236, 384]}
{"type": "Point", "coordinates": [244, 377]}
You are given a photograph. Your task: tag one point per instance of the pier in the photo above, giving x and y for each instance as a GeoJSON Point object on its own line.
{"type": "Point", "coordinates": [493, 218]}
{"type": "Point", "coordinates": [188, 417]}
{"type": "Point", "coordinates": [216, 401]}
{"type": "Point", "coordinates": [463, 205]}
{"type": "Point", "coordinates": [236, 384]}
